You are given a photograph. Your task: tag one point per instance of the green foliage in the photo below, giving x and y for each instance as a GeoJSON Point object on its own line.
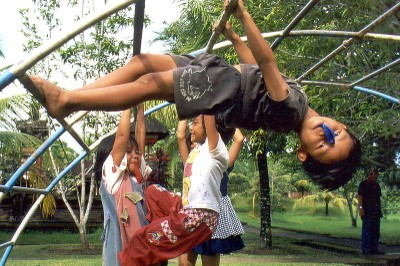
{"type": "Point", "coordinates": [238, 184]}
{"type": "Point", "coordinates": [11, 109]}
{"type": "Point", "coordinates": [374, 120]}
{"type": "Point", "coordinates": [390, 201]}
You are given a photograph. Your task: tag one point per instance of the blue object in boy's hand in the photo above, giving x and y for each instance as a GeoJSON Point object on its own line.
{"type": "Point", "coordinates": [329, 133]}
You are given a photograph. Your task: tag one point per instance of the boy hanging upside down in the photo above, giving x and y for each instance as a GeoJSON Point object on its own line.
{"type": "Point", "coordinates": [251, 95]}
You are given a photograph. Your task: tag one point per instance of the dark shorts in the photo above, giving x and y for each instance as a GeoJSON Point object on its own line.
{"type": "Point", "coordinates": [204, 84]}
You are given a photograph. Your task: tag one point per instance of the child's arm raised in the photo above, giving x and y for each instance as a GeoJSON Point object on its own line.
{"type": "Point", "coordinates": [262, 53]}
{"type": "Point", "coordinates": [181, 138]}
{"type": "Point", "coordinates": [235, 147]}
{"type": "Point", "coordinates": [211, 130]}
{"type": "Point", "coordinates": [121, 137]}
{"type": "Point", "coordinates": [241, 48]}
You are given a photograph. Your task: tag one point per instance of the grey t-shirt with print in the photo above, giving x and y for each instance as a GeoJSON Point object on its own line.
{"type": "Point", "coordinates": [254, 109]}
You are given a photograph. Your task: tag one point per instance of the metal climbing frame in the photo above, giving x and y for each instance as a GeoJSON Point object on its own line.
{"type": "Point", "coordinates": [18, 72]}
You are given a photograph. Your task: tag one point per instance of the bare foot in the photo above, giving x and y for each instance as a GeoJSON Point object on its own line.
{"type": "Point", "coordinates": [53, 100]}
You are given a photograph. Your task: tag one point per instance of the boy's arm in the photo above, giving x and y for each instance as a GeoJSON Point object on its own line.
{"type": "Point", "coordinates": [140, 128]}
{"type": "Point", "coordinates": [211, 130]}
{"type": "Point", "coordinates": [181, 138]}
{"type": "Point", "coordinates": [262, 53]}
{"type": "Point", "coordinates": [241, 48]}
{"type": "Point", "coordinates": [121, 137]}
{"type": "Point", "coordinates": [235, 147]}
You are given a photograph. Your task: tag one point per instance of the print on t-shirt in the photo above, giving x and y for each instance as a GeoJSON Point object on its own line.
{"type": "Point", "coordinates": [187, 173]}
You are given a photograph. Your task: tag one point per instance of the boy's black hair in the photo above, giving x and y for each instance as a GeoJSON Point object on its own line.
{"type": "Point", "coordinates": [104, 149]}
{"type": "Point", "coordinates": [333, 176]}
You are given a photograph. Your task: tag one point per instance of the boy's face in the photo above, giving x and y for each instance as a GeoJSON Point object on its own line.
{"type": "Point", "coordinates": [373, 175]}
{"type": "Point", "coordinates": [196, 128]}
{"type": "Point", "coordinates": [315, 144]}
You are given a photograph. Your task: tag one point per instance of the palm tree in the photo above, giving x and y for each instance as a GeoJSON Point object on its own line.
{"type": "Point", "coordinates": [325, 196]}
{"type": "Point", "coordinates": [15, 146]}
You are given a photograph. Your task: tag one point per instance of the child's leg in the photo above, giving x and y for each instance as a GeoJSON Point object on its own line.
{"type": "Point", "coordinates": [60, 103]}
{"type": "Point", "coordinates": [188, 259]}
{"type": "Point", "coordinates": [210, 260]}
{"type": "Point", "coordinates": [138, 66]}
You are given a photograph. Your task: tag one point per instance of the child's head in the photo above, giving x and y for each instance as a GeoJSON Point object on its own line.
{"type": "Point", "coordinates": [134, 156]}
{"type": "Point", "coordinates": [106, 146]}
{"type": "Point", "coordinates": [329, 154]}
{"type": "Point", "coordinates": [372, 174]}
{"type": "Point", "coordinates": [197, 130]}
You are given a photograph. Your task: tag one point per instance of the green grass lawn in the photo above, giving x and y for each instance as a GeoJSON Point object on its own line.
{"type": "Point", "coordinates": [284, 252]}
{"type": "Point", "coordinates": [337, 223]}
{"type": "Point", "coordinates": [63, 248]}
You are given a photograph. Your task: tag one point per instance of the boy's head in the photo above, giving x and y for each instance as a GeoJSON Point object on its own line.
{"type": "Point", "coordinates": [328, 151]}
{"type": "Point", "coordinates": [372, 174]}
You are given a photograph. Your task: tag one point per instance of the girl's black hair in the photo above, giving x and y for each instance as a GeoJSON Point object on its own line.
{"type": "Point", "coordinates": [333, 176]}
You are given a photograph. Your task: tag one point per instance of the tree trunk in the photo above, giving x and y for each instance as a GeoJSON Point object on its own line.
{"type": "Point", "coordinates": [349, 200]}
{"type": "Point", "coordinates": [326, 209]}
{"type": "Point", "coordinates": [83, 237]}
{"type": "Point", "coordinates": [265, 201]}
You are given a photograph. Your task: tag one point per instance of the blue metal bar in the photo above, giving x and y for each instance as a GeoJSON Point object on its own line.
{"type": "Point", "coordinates": [156, 108]}
{"type": "Point", "coordinates": [65, 171]}
{"type": "Point", "coordinates": [5, 255]}
{"type": "Point", "coordinates": [32, 159]}
{"type": "Point", "coordinates": [200, 51]}
{"type": "Point", "coordinates": [6, 244]}
{"type": "Point", "coordinates": [382, 95]}
{"type": "Point", "coordinates": [19, 70]}
{"type": "Point", "coordinates": [6, 78]}
{"type": "Point", "coordinates": [376, 72]}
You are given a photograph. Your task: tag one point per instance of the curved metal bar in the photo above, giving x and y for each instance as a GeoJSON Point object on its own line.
{"type": "Point", "coordinates": [224, 18]}
{"type": "Point", "coordinates": [65, 171]}
{"type": "Point", "coordinates": [55, 43]}
{"type": "Point", "coordinates": [349, 86]}
{"type": "Point", "coordinates": [294, 22]}
{"type": "Point", "coordinates": [376, 72]}
{"type": "Point", "coordinates": [376, 93]}
{"type": "Point", "coordinates": [6, 254]}
{"type": "Point", "coordinates": [349, 42]}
